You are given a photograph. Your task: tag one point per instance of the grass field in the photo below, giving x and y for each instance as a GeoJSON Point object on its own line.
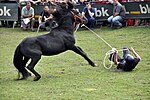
{"type": "Point", "coordinates": [69, 77]}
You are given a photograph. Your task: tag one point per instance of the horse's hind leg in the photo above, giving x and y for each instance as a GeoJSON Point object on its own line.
{"type": "Point", "coordinates": [26, 59]}
{"type": "Point", "coordinates": [25, 73]}
{"type": "Point", "coordinates": [79, 51]}
{"type": "Point", "coordinates": [33, 62]}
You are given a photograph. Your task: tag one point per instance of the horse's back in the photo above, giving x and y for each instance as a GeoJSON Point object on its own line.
{"type": "Point", "coordinates": [51, 44]}
{"type": "Point", "coordinates": [55, 42]}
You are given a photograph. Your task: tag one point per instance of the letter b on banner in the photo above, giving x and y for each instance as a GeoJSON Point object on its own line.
{"type": "Point", "coordinates": [144, 9]}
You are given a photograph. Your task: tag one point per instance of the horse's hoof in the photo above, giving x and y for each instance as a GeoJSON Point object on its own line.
{"type": "Point", "coordinates": [27, 75]}
{"type": "Point", "coordinates": [93, 64]}
{"type": "Point", "coordinates": [37, 78]}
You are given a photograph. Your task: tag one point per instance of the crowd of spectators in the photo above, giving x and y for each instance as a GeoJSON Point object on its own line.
{"type": "Point", "coordinates": [79, 2]}
{"type": "Point", "coordinates": [54, 2]}
{"type": "Point", "coordinates": [76, 2]}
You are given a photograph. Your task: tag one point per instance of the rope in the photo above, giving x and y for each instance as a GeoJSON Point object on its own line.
{"type": "Point", "coordinates": [111, 60]}
{"type": "Point", "coordinates": [108, 52]}
{"type": "Point", "coordinates": [77, 27]}
{"type": "Point", "coordinates": [97, 35]}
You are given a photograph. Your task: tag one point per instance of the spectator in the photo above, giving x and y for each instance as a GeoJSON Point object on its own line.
{"type": "Point", "coordinates": [27, 16]}
{"type": "Point", "coordinates": [25, 1]}
{"type": "Point", "coordinates": [82, 2]}
{"type": "Point", "coordinates": [53, 4]}
{"type": "Point", "coordinates": [44, 18]}
{"type": "Point", "coordinates": [88, 14]}
{"type": "Point", "coordinates": [101, 1]}
{"type": "Point", "coordinates": [75, 2]}
{"type": "Point", "coordinates": [43, 2]}
{"type": "Point", "coordinates": [138, 0]}
{"type": "Point", "coordinates": [19, 11]}
{"type": "Point", "coordinates": [135, 0]}
{"type": "Point", "coordinates": [128, 63]}
{"type": "Point", "coordinates": [122, 0]}
{"type": "Point", "coordinates": [118, 15]}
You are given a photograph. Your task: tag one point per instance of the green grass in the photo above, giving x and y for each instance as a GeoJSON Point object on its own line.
{"type": "Point", "coordinates": [69, 77]}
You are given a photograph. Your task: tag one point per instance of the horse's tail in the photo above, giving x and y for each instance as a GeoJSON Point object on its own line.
{"type": "Point", "coordinates": [18, 60]}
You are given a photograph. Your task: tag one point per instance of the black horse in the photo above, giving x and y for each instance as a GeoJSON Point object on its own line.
{"type": "Point", "coordinates": [60, 39]}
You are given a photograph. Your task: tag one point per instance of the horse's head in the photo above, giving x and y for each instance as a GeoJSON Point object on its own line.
{"type": "Point", "coordinates": [66, 16]}
{"type": "Point", "coordinates": [65, 4]}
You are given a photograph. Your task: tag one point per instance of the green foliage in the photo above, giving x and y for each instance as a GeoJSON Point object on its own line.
{"type": "Point", "coordinates": [68, 76]}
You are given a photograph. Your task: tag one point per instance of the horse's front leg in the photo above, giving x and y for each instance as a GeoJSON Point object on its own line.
{"type": "Point", "coordinates": [79, 51]}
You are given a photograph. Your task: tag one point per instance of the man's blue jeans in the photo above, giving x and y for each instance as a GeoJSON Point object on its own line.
{"type": "Point", "coordinates": [115, 20]}
{"type": "Point", "coordinates": [91, 22]}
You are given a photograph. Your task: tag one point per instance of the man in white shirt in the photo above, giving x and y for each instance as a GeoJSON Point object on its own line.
{"type": "Point", "coordinates": [27, 15]}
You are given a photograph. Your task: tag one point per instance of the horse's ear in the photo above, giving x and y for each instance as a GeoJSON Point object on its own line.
{"type": "Point", "coordinates": [70, 5]}
{"type": "Point", "coordinates": [75, 11]}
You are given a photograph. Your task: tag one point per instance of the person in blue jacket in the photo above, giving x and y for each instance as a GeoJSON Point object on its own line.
{"type": "Point", "coordinates": [88, 14]}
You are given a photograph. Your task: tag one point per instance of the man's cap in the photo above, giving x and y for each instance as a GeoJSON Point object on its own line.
{"type": "Point", "coordinates": [126, 50]}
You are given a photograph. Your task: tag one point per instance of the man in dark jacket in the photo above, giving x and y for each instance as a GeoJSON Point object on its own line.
{"type": "Point", "coordinates": [44, 18]}
{"type": "Point", "coordinates": [128, 63]}
{"type": "Point", "coordinates": [88, 14]}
